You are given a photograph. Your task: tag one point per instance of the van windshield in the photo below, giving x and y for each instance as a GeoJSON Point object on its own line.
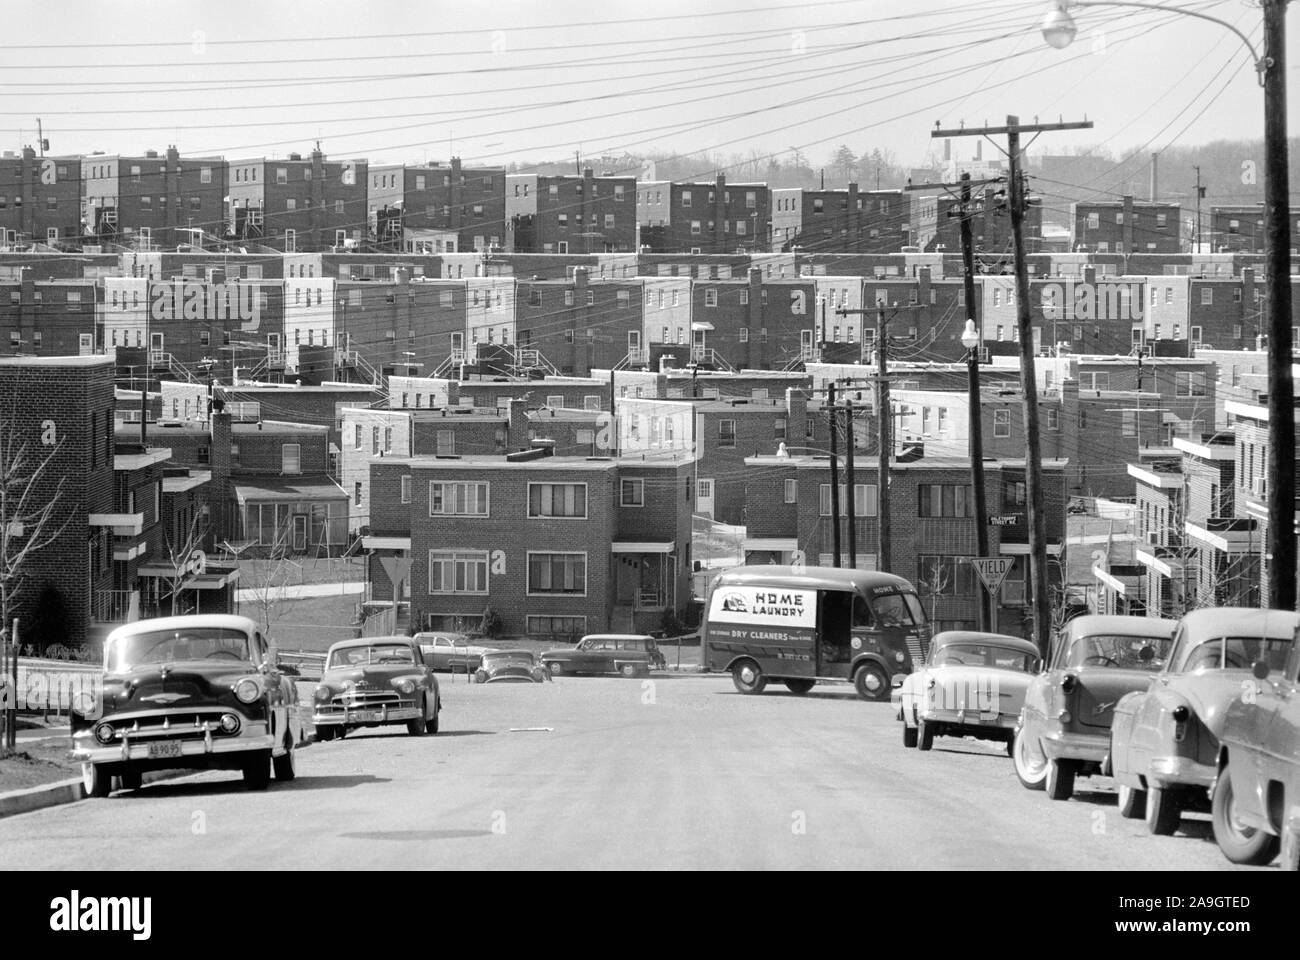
{"type": "Point", "coordinates": [897, 610]}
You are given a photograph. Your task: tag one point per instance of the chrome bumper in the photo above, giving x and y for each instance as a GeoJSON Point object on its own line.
{"type": "Point", "coordinates": [252, 737]}
{"type": "Point", "coordinates": [1074, 746]}
{"type": "Point", "coordinates": [971, 718]}
{"type": "Point", "coordinates": [1180, 771]}
{"type": "Point", "coordinates": [381, 714]}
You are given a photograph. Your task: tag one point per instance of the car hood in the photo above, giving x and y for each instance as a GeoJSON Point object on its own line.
{"type": "Point", "coordinates": [1100, 688]}
{"type": "Point", "coordinates": [380, 674]}
{"type": "Point", "coordinates": [177, 684]}
{"type": "Point", "coordinates": [1210, 693]}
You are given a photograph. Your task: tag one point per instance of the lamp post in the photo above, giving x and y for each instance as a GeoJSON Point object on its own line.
{"type": "Point", "coordinates": [970, 339]}
{"type": "Point", "coordinates": [1059, 30]}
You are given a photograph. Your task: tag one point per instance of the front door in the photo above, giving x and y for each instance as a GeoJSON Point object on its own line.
{"type": "Point", "coordinates": [155, 346]}
{"type": "Point", "coordinates": [704, 497]}
{"type": "Point", "coordinates": [85, 343]}
{"type": "Point", "coordinates": [698, 346]}
{"type": "Point", "coordinates": [273, 348]}
{"type": "Point", "coordinates": [300, 532]}
{"type": "Point", "coordinates": [805, 343]}
{"type": "Point", "coordinates": [634, 345]}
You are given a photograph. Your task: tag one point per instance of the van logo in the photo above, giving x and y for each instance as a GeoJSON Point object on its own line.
{"type": "Point", "coordinates": [735, 603]}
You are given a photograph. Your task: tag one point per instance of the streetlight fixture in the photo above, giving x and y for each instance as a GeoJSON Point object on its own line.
{"type": "Point", "coordinates": [1058, 30]}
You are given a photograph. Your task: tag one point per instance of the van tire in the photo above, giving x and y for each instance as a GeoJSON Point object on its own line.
{"type": "Point", "coordinates": [799, 685]}
{"type": "Point", "coordinates": [748, 677]}
{"type": "Point", "coordinates": [871, 682]}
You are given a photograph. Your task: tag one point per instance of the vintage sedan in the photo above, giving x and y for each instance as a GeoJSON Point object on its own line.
{"type": "Point", "coordinates": [1164, 741]}
{"type": "Point", "coordinates": [971, 685]}
{"type": "Point", "coordinates": [632, 655]}
{"type": "Point", "coordinates": [200, 692]}
{"type": "Point", "coordinates": [375, 682]}
{"type": "Point", "coordinates": [1064, 728]}
{"type": "Point", "coordinates": [510, 666]}
{"type": "Point", "coordinates": [1255, 804]}
{"type": "Point", "coordinates": [450, 652]}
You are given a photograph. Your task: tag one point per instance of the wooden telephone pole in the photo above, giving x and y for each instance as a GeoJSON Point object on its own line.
{"type": "Point", "coordinates": [1041, 600]}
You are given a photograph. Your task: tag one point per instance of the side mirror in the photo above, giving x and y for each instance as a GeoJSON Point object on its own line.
{"type": "Point", "coordinates": [1147, 653]}
{"type": "Point", "coordinates": [1260, 670]}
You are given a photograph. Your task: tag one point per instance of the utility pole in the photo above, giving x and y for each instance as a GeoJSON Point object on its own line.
{"type": "Point", "coordinates": [885, 444]}
{"type": "Point", "coordinates": [1200, 192]}
{"type": "Point", "coordinates": [1042, 614]}
{"type": "Point", "coordinates": [832, 417]}
{"type": "Point", "coordinates": [1281, 388]}
{"type": "Point", "coordinates": [848, 463]}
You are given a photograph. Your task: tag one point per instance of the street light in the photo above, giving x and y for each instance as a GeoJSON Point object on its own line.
{"type": "Point", "coordinates": [970, 339]}
{"type": "Point", "coordinates": [1058, 30]}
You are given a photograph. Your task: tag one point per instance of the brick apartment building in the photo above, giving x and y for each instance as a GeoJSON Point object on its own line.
{"type": "Point", "coordinates": [788, 509]}
{"type": "Point", "coordinates": [843, 221]}
{"type": "Point", "coordinates": [1240, 229]}
{"type": "Point", "coordinates": [437, 208]}
{"type": "Point", "coordinates": [556, 546]}
{"type": "Point", "coordinates": [297, 203]}
{"type": "Point", "coordinates": [152, 201]}
{"type": "Point", "coordinates": [570, 214]}
{"type": "Point", "coordinates": [41, 199]}
{"type": "Point", "coordinates": [717, 217]}
{"type": "Point", "coordinates": [582, 324]}
{"type": "Point", "coordinates": [1127, 226]}
{"type": "Point", "coordinates": [47, 318]}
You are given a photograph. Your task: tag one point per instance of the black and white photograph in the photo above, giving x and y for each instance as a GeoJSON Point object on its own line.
{"type": "Point", "coordinates": [664, 437]}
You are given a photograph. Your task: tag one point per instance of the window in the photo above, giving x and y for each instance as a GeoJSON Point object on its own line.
{"type": "Point", "coordinates": [686, 198]}
{"type": "Point", "coordinates": [1014, 495]}
{"type": "Point", "coordinates": [1053, 418]}
{"type": "Point", "coordinates": [865, 502]}
{"type": "Point", "coordinates": [358, 436]}
{"type": "Point", "coordinates": [281, 175]}
{"type": "Point", "coordinates": [557, 573]}
{"type": "Point", "coordinates": [458, 571]}
{"type": "Point", "coordinates": [356, 493]}
{"type": "Point", "coordinates": [374, 439]}
{"type": "Point", "coordinates": [562, 500]}
{"type": "Point", "coordinates": [1001, 423]}
{"type": "Point", "coordinates": [632, 493]}
{"type": "Point", "coordinates": [944, 576]}
{"type": "Point", "coordinates": [726, 433]}
{"type": "Point", "coordinates": [944, 500]}
{"type": "Point", "coordinates": [711, 297]}
{"type": "Point", "coordinates": [469, 499]}
{"type": "Point", "coordinates": [1187, 384]}
{"type": "Point", "coordinates": [1128, 423]}
{"type": "Point", "coordinates": [388, 439]}
{"type": "Point", "coordinates": [1207, 296]}
{"type": "Point", "coordinates": [445, 443]}
{"type": "Point", "coordinates": [291, 458]}
{"type": "Point", "coordinates": [792, 491]}
{"type": "Point", "coordinates": [405, 490]}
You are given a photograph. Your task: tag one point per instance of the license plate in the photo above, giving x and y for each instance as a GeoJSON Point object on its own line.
{"type": "Point", "coordinates": [164, 748]}
{"type": "Point", "coordinates": [364, 715]}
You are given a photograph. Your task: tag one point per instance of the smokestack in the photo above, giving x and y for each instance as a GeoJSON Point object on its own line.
{"type": "Point", "coordinates": [1155, 182]}
{"type": "Point", "coordinates": [947, 150]}
{"type": "Point", "coordinates": [979, 149]}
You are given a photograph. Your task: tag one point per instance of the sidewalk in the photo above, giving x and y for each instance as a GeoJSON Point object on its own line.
{"type": "Point", "coordinates": [300, 591]}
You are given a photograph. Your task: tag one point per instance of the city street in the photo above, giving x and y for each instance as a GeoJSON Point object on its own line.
{"type": "Point", "coordinates": [669, 773]}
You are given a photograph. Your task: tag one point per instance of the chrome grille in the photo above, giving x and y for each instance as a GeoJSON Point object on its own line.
{"type": "Point", "coordinates": [175, 726]}
{"type": "Point", "coordinates": [916, 651]}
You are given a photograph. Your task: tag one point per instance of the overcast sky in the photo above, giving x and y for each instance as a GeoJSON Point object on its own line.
{"type": "Point", "coordinates": [526, 81]}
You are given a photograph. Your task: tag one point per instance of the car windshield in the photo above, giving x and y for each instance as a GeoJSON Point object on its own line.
{"type": "Point", "coordinates": [378, 653]}
{"type": "Point", "coordinates": [897, 609]}
{"type": "Point", "coordinates": [984, 655]}
{"type": "Point", "coordinates": [188, 643]}
{"type": "Point", "coordinates": [1236, 653]}
{"type": "Point", "coordinates": [1119, 651]}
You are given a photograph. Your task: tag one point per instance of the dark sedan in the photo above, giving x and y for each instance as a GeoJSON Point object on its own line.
{"type": "Point", "coordinates": [510, 666]}
{"type": "Point", "coordinates": [632, 655]}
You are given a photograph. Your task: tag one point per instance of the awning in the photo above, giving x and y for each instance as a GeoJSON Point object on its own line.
{"type": "Point", "coordinates": [1113, 582]}
{"type": "Point", "coordinates": [1022, 549]}
{"type": "Point", "coordinates": [214, 580]}
{"type": "Point", "coordinates": [774, 544]}
{"type": "Point", "coordinates": [643, 546]}
{"type": "Point", "coordinates": [289, 490]}
{"type": "Point", "coordinates": [386, 543]}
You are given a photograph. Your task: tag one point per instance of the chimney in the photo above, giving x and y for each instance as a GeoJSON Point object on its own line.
{"type": "Point", "coordinates": [1155, 183]}
{"type": "Point", "coordinates": [1128, 224]}
{"type": "Point", "coordinates": [516, 425]}
{"type": "Point", "coordinates": [923, 285]}
{"type": "Point", "coordinates": [796, 410]}
{"type": "Point", "coordinates": [1247, 292]}
{"type": "Point", "coordinates": [1090, 274]}
{"type": "Point", "coordinates": [979, 149]}
{"type": "Point", "coordinates": [719, 213]}
{"type": "Point", "coordinates": [855, 219]}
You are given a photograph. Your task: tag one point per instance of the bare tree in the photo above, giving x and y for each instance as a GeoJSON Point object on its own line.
{"type": "Point", "coordinates": [271, 579]}
{"type": "Point", "coordinates": [180, 555]}
{"type": "Point", "coordinates": [936, 582]}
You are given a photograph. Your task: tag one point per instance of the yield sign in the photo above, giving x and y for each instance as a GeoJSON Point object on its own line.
{"type": "Point", "coordinates": [397, 568]}
{"type": "Point", "coordinates": [992, 570]}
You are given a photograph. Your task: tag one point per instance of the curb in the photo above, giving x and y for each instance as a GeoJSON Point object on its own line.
{"type": "Point", "coordinates": [38, 798]}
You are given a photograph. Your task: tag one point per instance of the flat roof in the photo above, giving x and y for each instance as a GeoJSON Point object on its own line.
{"type": "Point", "coordinates": [88, 360]}
{"type": "Point", "coordinates": [277, 426]}
{"type": "Point", "coordinates": [181, 484]}
{"type": "Point", "coordinates": [139, 461]}
{"type": "Point", "coordinates": [594, 464]}
{"type": "Point", "coordinates": [298, 488]}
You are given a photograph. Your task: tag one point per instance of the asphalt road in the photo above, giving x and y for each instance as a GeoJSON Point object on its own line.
{"type": "Point", "coordinates": [673, 773]}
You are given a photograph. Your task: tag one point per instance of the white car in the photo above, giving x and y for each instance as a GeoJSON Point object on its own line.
{"type": "Point", "coordinates": [972, 685]}
{"type": "Point", "coordinates": [450, 652]}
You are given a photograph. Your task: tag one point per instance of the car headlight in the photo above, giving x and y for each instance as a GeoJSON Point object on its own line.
{"type": "Point", "coordinates": [229, 723]}
{"type": "Point", "coordinates": [248, 690]}
{"type": "Point", "coordinates": [404, 686]}
{"type": "Point", "coordinates": [104, 733]}
{"type": "Point", "coordinates": [898, 656]}
{"type": "Point", "coordinates": [324, 693]}
{"type": "Point", "coordinates": [85, 704]}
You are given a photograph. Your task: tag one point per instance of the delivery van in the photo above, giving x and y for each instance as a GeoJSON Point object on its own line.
{"type": "Point", "coordinates": [801, 625]}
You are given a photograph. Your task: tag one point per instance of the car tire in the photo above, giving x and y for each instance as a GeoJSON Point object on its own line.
{"type": "Point", "coordinates": [340, 732]}
{"type": "Point", "coordinates": [799, 685]}
{"type": "Point", "coordinates": [420, 725]}
{"type": "Point", "coordinates": [131, 779]}
{"type": "Point", "coordinates": [1060, 779]}
{"type": "Point", "coordinates": [480, 676]}
{"type": "Point", "coordinates": [94, 781]}
{"type": "Point", "coordinates": [1011, 747]}
{"type": "Point", "coordinates": [924, 735]}
{"type": "Point", "coordinates": [1029, 760]}
{"type": "Point", "coordinates": [1162, 813]}
{"type": "Point", "coordinates": [1239, 843]}
{"type": "Point", "coordinates": [555, 669]}
{"type": "Point", "coordinates": [257, 770]}
{"type": "Point", "coordinates": [871, 682]}
{"type": "Point", "coordinates": [324, 733]}
{"type": "Point", "coordinates": [1290, 859]}
{"type": "Point", "coordinates": [909, 735]}
{"type": "Point", "coordinates": [285, 766]}
{"type": "Point", "coordinates": [748, 677]}
{"type": "Point", "coordinates": [1132, 802]}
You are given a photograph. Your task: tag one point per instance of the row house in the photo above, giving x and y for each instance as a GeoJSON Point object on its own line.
{"type": "Point", "coordinates": [580, 324]}
{"type": "Point", "coordinates": [217, 325]}
{"type": "Point", "coordinates": [495, 393]}
{"type": "Point", "coordinates": [370, 264]}
{"type": "Point", "coordinates": [1240, 229]}
{"type": "Point", "coordinates": [716, 217]}
{"type": "Point", "coordinates": [152, 200]}
{"type": "Point", "coordinates": [935, 226]}
{"type": "Point", "coordinates": [845, 221]}
{"type": "Point", "coordinates": [1127, 226]}
{"type": "Point", "coordinates": [40, 199]}
{"type": "Point", "coordinates": [557, 547]}
{"type": "Point", "coordinates": [47, 318]}
{"type": "Point", "coordinates": [1227, 313]}
{"type": "Point", "coordinates": [562, 214]}
{"type": "Point", "coordinates": [193, 263]}
{"type": "Point", "coordinates": [789, 516]}
{"type": "Point", "coordinates": [436, 208]}
{"type": "Point", "coordinates": [297, 203]}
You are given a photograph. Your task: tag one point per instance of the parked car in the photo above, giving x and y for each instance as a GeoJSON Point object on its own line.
{"type": "Point", "coordinates": [201, 692]}
{"type": "Point", "coordinates": [1064, 729]}
{"type": "Point", "coordinates": [510, 666]}
{"type": "Point", "coordinates": [373, 682]}
{"type": "Point", "coordinates": [971, 685]}
{"type": "Point", "coordinates": [1256, 798]}
{"type": "Point", "coordinates": [1165, 739]}
{"type": "Point", "coordinates": [446, 652]}
{"type": "Point", "coordinates": [632, 655]}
